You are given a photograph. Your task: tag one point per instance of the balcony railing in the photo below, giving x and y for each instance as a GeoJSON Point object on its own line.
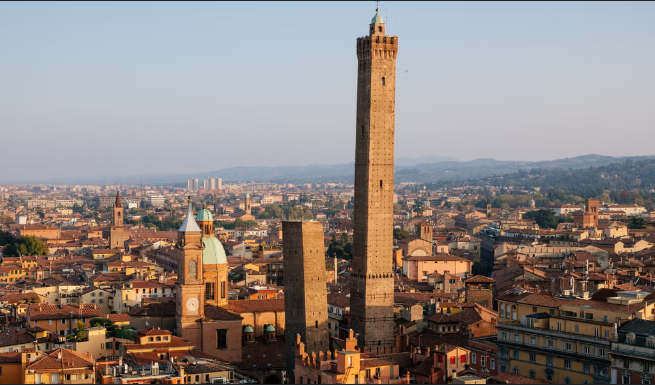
{"type": "Point", "coordinates": [516, 326]}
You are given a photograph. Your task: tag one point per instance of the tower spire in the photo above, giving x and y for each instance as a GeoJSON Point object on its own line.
{"type": "Point", "coordinates": [118, 204]}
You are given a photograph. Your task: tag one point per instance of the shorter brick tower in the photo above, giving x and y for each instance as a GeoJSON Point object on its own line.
{"type": "Point", "coordinates": [424, 231]}
{"type": "Point", "coordinates": [248, 204]}
{"type": "Point", "coordinates": [589, 215]}
{"type": "Point", "coordinates": [116, 230]}
{"type": "Point", "coordinates": [305, 291]}
{"type": "Point", "coordinates": [479, 289]}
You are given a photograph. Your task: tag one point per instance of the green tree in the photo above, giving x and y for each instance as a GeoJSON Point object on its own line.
{"type": "Point", "coordinates": [6, 238]}
{"type": "Point", "coordinates": [635, 222]}
{"type": "Point", "coordinates": [399, 233]}
{"type": "Point", "coordinates": [78, 208]}
{"type": "Point", "coordinates": [480, 268]}
{"type": "Point", "coordinates": [544, 218]}
{"type": "Point", "coordinates": [100, 321]}
{"type": "Point", "coordinates": [80, 333]}
{"type": "Point", "coordinates": [340, 247]}
{"type": "Point", "coordinates": [26, 245]}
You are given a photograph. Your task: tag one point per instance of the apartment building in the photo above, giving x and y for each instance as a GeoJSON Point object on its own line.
{"type": "Point", "coordinates": [564, 339]}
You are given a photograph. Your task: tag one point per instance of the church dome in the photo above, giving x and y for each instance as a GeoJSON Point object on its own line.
{"type": "Point", "coordinates": [204, 216]}
{"type": "Point", "coordinates": [270, 329]}
{"type": "Point", "coordinates": [213, 253]}
{"type": "Point", "coordinates": [248, 329]}
{"type": "Point", "coordinates": [377, 19]}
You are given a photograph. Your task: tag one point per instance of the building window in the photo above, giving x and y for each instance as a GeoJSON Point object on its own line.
{"type": "Point", "coordinates": [550, 343]}
{"type": "Point", "coordinates": [567, 380]}
{"type": "Point", "coordinates": [567, 364]}
{"type": "Point", "coordinates": [607, 334]}
{"type": "Point", "coordinates": [223, 289]}
{"type": "Point", "coordinates": [586, 350]}
{"type": "Point", "coordinates": [533, 357]}
{"type": "Point", "coordinates": [516, 337]}
{"type": "Point", "coordinates": [473, 358]}
{"type": "Point", "coordinates": [585, 368]}
{"type": "Point", "coordinates": [504, 335]}
{"type": "Point", "coordinates": [221, 338]}
{"type": "Point", "coordinates": [193, 269]}
{"type": "Point", "coordinates": [568, 346]}
{"type": "Point", "coordinates": [483, 361]}
{"type": "Point", "coordinates": [549, 377]}
{"type": "Point", "coordinates": [626, 363]}
{"type": "Point", "coordinates": [516, 370]}
{"type": "Point", "coordinates": [646, 366]}
{"type": "Point", "coordinates": [626, 379]}
{"type": "Point", "coordinates": [382, 84]}
{"type": "Point", "coordinates": [549, 361]}
{"type": "Point", "coordinates": [601, 352]}
{"type": "Point", "coordinates": [209, 291]}
{"type": "Point", "coordinates": [452, 360]}
{"type": "Point", "coordinates": [533, 340]}
{"type": "Point", "coordinates": [532, 374]}
{"type": "Point", "coordinates": [645, 380]}
{"type": "Point", "coordinates": [492, 364]}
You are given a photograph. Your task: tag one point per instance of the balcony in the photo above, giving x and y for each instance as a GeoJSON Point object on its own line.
{"type": "Point", "coordinates": [516, 326]}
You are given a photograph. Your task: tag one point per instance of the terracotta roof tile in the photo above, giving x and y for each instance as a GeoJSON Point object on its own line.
{"type": "Point", "coordinates": [63, 359]}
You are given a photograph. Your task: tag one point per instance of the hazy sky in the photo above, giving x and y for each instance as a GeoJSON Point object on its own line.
{"type": "Point", "coordinates": [122, 88]}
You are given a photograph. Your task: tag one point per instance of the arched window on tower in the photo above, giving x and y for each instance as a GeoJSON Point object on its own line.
{"type": "Point", "coordinates": [379, 29]}
{"type": "Point", "coordinates": [193, 269]}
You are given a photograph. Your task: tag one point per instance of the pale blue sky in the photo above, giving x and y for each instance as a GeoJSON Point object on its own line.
{"type": "Point", "coordinates": [121, 88]}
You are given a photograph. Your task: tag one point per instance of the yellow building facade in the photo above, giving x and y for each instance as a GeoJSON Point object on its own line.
{"type": "Point", "coordinates": [563, 339]}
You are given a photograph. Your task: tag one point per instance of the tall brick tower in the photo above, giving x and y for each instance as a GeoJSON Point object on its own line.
{"type": "Point", "coordinates": [305, 291]}
{"type": "Point", "coordinates": [116, 230]}
{"type": "Point", "coordinates": [372, 276]}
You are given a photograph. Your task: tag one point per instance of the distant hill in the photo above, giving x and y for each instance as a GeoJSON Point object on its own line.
{"type": "Point", "coordinates": [445, 169]}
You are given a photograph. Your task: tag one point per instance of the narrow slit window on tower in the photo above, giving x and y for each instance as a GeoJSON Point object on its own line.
{"type": "Point", "coordinates": [382, 81]}
{"type": "Point", "coordinates": [316, 324]}
{"type": "Point", "coordinates": [380, 184]}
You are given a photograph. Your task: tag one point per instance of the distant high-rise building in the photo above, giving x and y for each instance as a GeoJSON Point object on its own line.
{"type": "Point", "coordinates": [305, 295]}
{"type": "Point", "coordinates": [220, 183]}
{"type": "Point", "coordinates": [189, 184]}
{"type": "Point", "coordinates": [371, 290]}
{"type": "Point", "coordinates": [196, 184]}
{"type": "Point", "coordinates": [212, 183]}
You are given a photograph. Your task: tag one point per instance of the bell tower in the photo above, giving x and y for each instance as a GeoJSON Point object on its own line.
{"type": "Point", "coordinates": [371, 290]}
{"type": "Point", "coordinates": [116, 230]}
{"type": "Point", "coordinates": [248, 205]}
{"type": "Point", "coordinates": [190, 288]}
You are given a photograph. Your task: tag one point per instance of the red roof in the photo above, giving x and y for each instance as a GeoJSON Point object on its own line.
{"type": "Point", "coordinates": [63, 359]}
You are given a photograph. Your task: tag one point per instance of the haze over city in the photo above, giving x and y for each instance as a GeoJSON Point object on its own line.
{"type": "Point", "coordinates": [131, 88]}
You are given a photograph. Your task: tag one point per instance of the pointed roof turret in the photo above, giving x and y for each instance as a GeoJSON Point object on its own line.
{"type": "Point", "coordinates": [189, 223]}
{"type": "Point", "coordinates": [118, 203]}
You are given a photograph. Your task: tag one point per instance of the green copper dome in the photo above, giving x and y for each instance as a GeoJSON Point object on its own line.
{"type": "Point", "coordinates": [204, 216]}
{"type": "Point", "coordinates": [248, 329]}
{"type": "Point", "coordinates": [270, 329]}
{"type": "Point", "coordinates": [213, 253]}
{"type": "Point", "coordinates": [377, 19]}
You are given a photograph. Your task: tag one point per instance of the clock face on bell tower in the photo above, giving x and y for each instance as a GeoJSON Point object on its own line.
{"type": "Point", "coordinates": [190, 289]}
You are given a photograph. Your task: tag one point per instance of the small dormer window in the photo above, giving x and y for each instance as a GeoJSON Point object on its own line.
{"type": "Point", "coordinates": [650, 341]}
{"type": "Point", "coordinates": [630, 338]}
